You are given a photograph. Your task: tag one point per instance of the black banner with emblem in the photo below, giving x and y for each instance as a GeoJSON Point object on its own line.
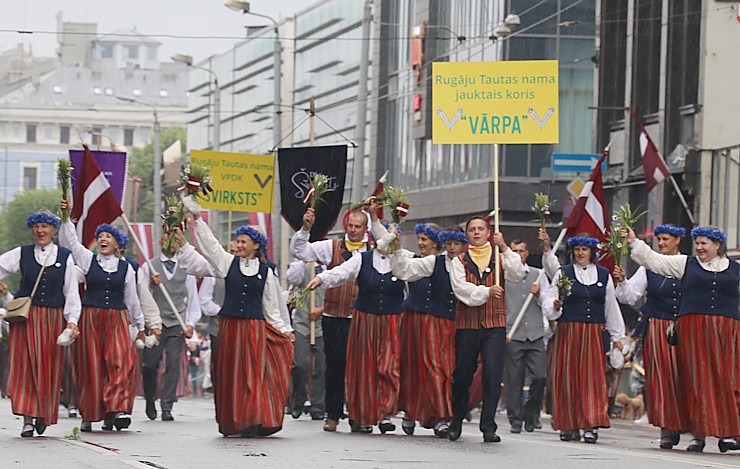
{"type": "Point", "coordinates": [297, 167]}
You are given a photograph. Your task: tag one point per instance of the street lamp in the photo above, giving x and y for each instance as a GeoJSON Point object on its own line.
{"type": "Point", "coordinates": [239, 5]}
{"type": "Point", "coordinates": [157, 178]}
{"type": "Point", "coordinates": [216, 135]}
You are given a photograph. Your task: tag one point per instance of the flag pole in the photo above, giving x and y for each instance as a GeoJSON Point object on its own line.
{"type": "Point", "coordinates": [166, 294]}
{"type": "Point", "coordinates": [312, 301]}
{"type": "Point", "coordinates": [497, 265]}
{"type": "Point", "coordinates": [528, 301]}
{"type": "Point", "coordinates": [681, 197]}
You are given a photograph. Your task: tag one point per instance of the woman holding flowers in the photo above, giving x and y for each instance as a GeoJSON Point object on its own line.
{"type": "Point", "coordinates": [105, 357]}
{"type": "Point", "coordinates": [36, 361]}
{"type": "Point", "coordinates": [582, 301]}
{"type": "Point", "coordinates": [662, 300]}
{"type": "Point", "coordinates": [251, 371]}
{"type": "Point", "coordinates": [708, 330]}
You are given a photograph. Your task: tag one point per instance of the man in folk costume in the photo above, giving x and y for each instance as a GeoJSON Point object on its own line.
{"type": "Point", "coordinates": [337, 314]}
{"type": "Point", "coordinates": [481, 323]}
{"type": "Point", "coordinates": [526, 352]}
{"type": "Point", "coordinates": [183, 291]}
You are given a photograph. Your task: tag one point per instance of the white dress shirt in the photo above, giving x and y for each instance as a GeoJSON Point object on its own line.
{"type": "Point", "coordinates": [207, 306]}
{"type": "Point", "coordinates": [10, 263]}
{"type": "Point", "coordinates": [152, 319]}
{"type": "Point", "coordinates": [476, 295]}
{"type": "Point", "coordinates": [215, 262]}
{"type": "Point", "coordinates": [192, 303]}
{"type": "Point", "coordinates": [631, 290]}
{"type": "Point", "coordinates": [84, 257]}
{"type": "Point", "coordinates": [588, 275]}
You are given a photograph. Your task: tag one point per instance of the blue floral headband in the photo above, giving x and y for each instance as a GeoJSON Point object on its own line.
{"type": "Point", "coordinates": [124, 241]}
{"type": "Point", "coordinates": [43, 217]}
{"type": "Point", "coordinates": [709, 232]}
{"type": "Point", "coordinates": [430, 232]}
{"type": "Point", "coordinates": [583, 241]}
{"type": "Point", "coordinates": [675, 231]}
{"type": "Point", "coordinates": [459, 236]}
{"type": "Point", "coordinates": [253, 233]}
{"type": "Point", "coordinates": [113, 231]}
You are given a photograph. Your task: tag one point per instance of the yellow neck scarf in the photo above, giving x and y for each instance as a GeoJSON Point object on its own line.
{"type": "Point", "coordinates": [481, 255]}
{"type": "Point", "coordinates": [352, 245]}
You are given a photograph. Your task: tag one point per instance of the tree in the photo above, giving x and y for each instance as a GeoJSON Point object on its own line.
{"type": "Point", "coordinates": [141, 165]}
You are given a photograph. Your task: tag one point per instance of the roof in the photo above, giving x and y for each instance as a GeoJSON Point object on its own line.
{"type": "Point", "coordinates": [127, 36]}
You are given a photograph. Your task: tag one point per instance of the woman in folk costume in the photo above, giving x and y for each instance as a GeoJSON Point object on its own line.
{"type": "Point", "coordinates": [105, 357]}
{"type": "Point", "coordinates": [708, 330]}
{"type": "Point", "coordinates": [480, 320]}
{"type": "Point", "coordinates": [36, 361]}
{"type": "Point", "coordinates": [427, 328]}
{"type": "Point", "coordinates": [578, 366]}
{"type": "Point", "coordinates": [251, 372]}
{"type": "Point", "coordinates": [662, 300]}
{"type": "Point", "coordinates": [373, 348]}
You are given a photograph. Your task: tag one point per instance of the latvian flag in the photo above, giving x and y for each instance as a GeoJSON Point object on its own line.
{"type": "Point", "coordinates": [653, 164]}
{"type": "Point", "coordinates": [94, 202]}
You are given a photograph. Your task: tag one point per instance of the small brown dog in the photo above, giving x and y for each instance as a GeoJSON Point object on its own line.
{"type": "Point", "coordinates": [632, 407]}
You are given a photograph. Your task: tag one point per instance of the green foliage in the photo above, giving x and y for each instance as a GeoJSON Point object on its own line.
{"type": "Point", "coordinates": [75, 434]}
{"type": "Point", "coordinates": [141, 165]}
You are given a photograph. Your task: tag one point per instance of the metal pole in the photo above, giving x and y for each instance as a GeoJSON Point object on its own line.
{"type": "Point", "coordinates": [496, 215]}
{"type": "Point", "coordinates": [358, 165]}
{"type": "Point", "coordinates": [276, 67]}
{"type": "Point", "coordinates": [156, 228]}
{"type": "Point", "coordinates": [217, 114]}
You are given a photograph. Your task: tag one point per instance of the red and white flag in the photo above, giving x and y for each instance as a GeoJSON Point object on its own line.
{"type": "Point", "coordinates": [590, 214]}
{"type": "Point", "coordinates": [144, 232]}
{"type": "Point", "coordinates": [264, 221]}
{"type": "Point", "coordinates": [94, 201]}
{"type": "Point", "coordinates": [653, 164]}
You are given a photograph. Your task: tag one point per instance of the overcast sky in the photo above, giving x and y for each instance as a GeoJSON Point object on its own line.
{"type": "Point", "coordinates": [150, 17]}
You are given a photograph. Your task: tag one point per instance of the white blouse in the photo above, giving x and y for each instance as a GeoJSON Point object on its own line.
{"type": "Point", "coordinates": [84, 257]}
{"type": "Point", "coordinates": [10, 263]}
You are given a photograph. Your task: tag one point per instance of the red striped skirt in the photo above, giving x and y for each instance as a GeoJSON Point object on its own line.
{"type": "Point", "coordinates": [578, 377]}
{"type": "Point", "coordinates": [252, 376]}
{"type": "Point", "coordinates": [36, 363]}
{"type": "Point", "coordinates": [427, 362]}
{"type": "Point", "coordinates": [709, 373]}
{"type": "Point", "coordinates": [662, 389]}
{"type": "Point", "coordinates": [105, 362]}
{"type": "Point", "coordinates": [373, 366]}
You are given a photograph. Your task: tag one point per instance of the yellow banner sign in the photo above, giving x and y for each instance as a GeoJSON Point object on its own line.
{"type": "Point", "coordinates": [241, 182]}
{"type": "Point", "coordinates": [495, 102]}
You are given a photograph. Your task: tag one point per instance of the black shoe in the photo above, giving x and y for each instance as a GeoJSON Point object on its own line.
{"type": "Point", "coordinates": [455, 430]}
{"type": "Point", "coordinates": [491, 437]}
{"type": "Point", "coordinates": [121, 421]}
{"type": "Point", "coordinates": [86, 426]}
{"type": "Point", "coordinates": [296, 413]}
{"type": "Point", "coordinates": [441, 429]}
{"type": "Point", "coordinates": [537, 425]}
{"type": "Point", "coordinates": [570, 435]}
{"type": "Point", "coordinates": [408, 426]}
{"type": "Point", "coordinates": [516, 427]}
{"type": "Point", "coordinates": [386, 426]}
{"type": "Point", "coordinates": [696, 445]}
{"type": "Point", "coordinates": [669, 439]}
{"type": "Point", "coordinates": [529, 427]}
{"type": "Point", "coordinates": [27, 430]}
{"type": "Point", "coordinates": [726, 444]}
{"type": "Point", "coordinates": [317, 415]}
{"type": "Point", "coordinates": [590, 436]}
{"type": "Point", "coordinates": [40, 426]}
{"type": "Point", "coordinates": [167, 416]}
{"type": "Point", "coordinates": [151, 411]}
{"type": "Point", "coordinates": [357, 428]}
{"type": "Point", "coordinates": [108, 425]}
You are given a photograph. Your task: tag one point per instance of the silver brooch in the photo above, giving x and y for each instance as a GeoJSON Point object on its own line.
{"type": "Point", "coordinates": [394, 278]}
{"type": "Point", "coordinates": [599, 284]}
{"type": "Point", "coordinates": [259, 276]}
{"type": "Point", "coordinates": [488, 270]}
{"type": "Point", "coordinates": [58, 264]}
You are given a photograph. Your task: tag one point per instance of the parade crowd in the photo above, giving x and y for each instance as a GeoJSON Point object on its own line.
{"type": "Point", "coordinates": [429, 334]}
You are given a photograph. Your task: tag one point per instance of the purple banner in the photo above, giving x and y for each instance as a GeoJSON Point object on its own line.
{"type": "Point", "coordinates": [113, 165]}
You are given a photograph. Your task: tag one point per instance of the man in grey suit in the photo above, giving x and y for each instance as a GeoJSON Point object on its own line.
{"type": "Point", "coordinates": [183, 290]}
{"type": "Point", "coordinates": [526, 352]}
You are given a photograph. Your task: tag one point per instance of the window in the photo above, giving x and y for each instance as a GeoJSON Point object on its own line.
{"type": "Point", "coordinates": [136, 92]}
{"type": "Point", "coordinates": [64, 134]}
{"type": "Point", "coordinates": [130, 52]}
{"type": "Point", "coordinates": [56, 89]}
{"type": "Point", "coordinates": [109, 91]}
{"type": "Point", "coordinates": [30, 133]}
{"type": "Point", "coordinates": [29, 177]}
{"type": "Point", "coordinates": [106, 51]}
{"type": "Point", "coordinates": [163, 93]}
{"type": "Point", "coordinates": [97, 90]}
{"type": "Point", "coordinates": [128, 137]}
{"type": "Point", "coordinates": [97, 136]}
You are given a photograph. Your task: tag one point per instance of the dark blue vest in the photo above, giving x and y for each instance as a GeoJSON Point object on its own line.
{"type": "Point", "coordinates": [50, 292]}
{"type": "Point", "coordinates": [713, 293]}
{"type": "Point", "coordinates": [378, 293]}
{"type": "Point", "coordinates": [243, 296]}
{"type": "Point", "coordinates": [663, 297]}
{"type": "Point", "coordinates": [433, 295]}
{"type": "Point", "coordinates": [586, 302]}
{"type": "Point", "coordinates": [105, 289]}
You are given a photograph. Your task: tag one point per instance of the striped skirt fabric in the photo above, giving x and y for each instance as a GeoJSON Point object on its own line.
{"type": "Point", "coordinates": [36, 362]}
{"type": "Point", "coordinates": [578, 377]}
{"type": "Point", "coordinates": [709, 374]}
{"type": "Point", "coordinates": [105, 362]}
{"type": "Point", "coordinates": [251, 377]}
{"type": "Point", "coordinates": [427, 362]}
{"type": "Point", "coordinates": [373, 366]}
{"type": "Point", "coordinates": [662, 389]}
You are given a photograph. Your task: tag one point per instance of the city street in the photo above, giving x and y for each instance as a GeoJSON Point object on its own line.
{"type": "Point", "coordinates": [192, 440]}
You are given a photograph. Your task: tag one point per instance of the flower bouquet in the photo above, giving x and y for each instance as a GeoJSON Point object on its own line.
{"type": "Point", "coordinates": [541, 208]}
{"type": "Point", "coordinates": [397, 201]}
{"type": "Point", "coordinates": [173, 217]}
{"type": "Point", "coordinates": [298, 298]}
{"type": "Point", "coordinates": [615, 245]}
{"type": "Point", "coordinates": [195, 180]}
{"type": "Point", "coordinates": [316, 188]}
{"type": "Point", "coordinates": [564, 285]}
{"type": "Point", "coordinates": [64, 176]}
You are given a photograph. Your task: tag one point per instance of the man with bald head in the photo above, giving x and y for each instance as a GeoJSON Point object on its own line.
{"type": "Point", "coordinates": [337, 304]}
